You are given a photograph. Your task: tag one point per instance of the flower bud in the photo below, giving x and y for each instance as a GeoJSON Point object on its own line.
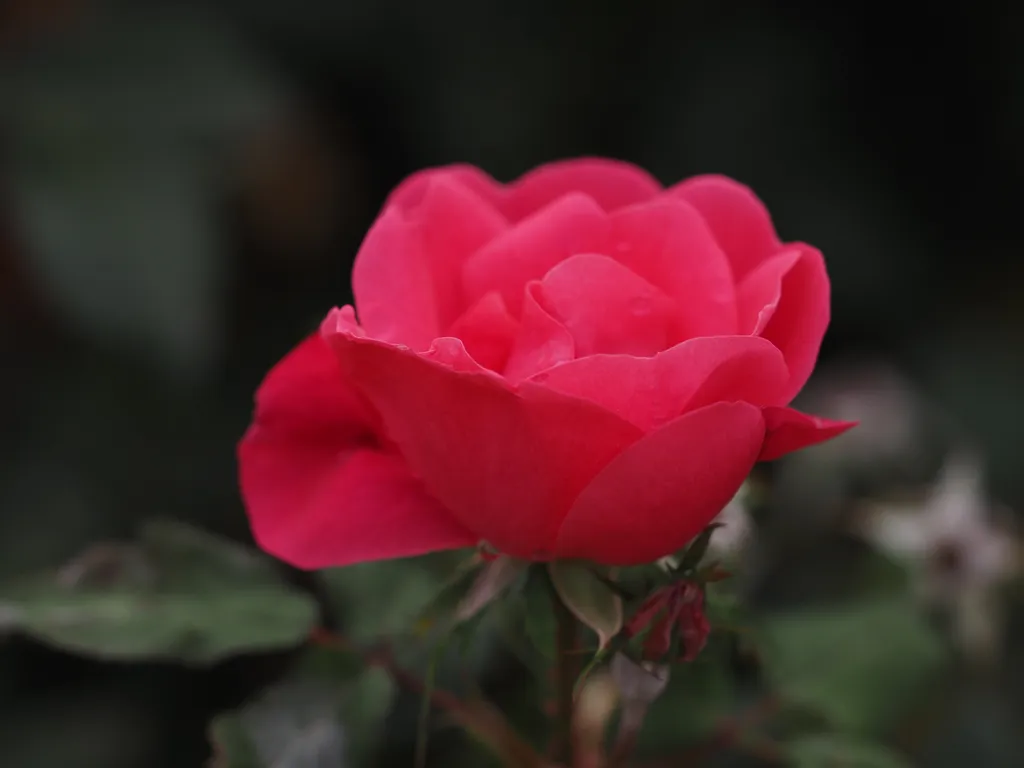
{"type": "Point", "coordinates": [675, 612]}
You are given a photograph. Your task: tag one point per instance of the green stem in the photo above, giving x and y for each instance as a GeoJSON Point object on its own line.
{"type": "Point", "coordinates": [566, 672]}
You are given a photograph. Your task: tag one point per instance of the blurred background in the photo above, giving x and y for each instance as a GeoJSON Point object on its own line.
{"type": "Point", "coordinates": [183, 186]}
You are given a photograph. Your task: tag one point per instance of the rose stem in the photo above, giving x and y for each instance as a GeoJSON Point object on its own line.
{"type": "Point", "coordinates": [477, 717]}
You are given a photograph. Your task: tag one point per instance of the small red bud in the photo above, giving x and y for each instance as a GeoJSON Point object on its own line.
{"type": "Point", "coordinates": [677, 608]}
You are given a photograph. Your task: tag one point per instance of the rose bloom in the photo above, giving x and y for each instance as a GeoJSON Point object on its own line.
{"type": "Point", "coordinates": [579, 364]}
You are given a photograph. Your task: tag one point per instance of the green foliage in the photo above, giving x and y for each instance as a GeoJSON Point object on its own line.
{"type": "Point", "coordinates": [329, 711]}
{"type": "Point", "coordinates": [861, 665]}
{"type": "Point", "coordinates": [589, 598]}
{"type": "Point", "coordinates": [396, 597]}
{"type": "Point", "coordinates": [177, 594]}
{"type": "Point", "coordinates": [535, 603]}
{"type": "Point", "coordinates": [821, 751]}
{"type": "Point", "coordinates": [696, 550]}
{"type": "Point", "coordinates": [133, 173]}
{"type": "Point", "coordinates": [725, 610]}
{"type": "Point", "coordinates": [491, 580]}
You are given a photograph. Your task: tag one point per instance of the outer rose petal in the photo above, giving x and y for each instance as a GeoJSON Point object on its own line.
{"type": "Point", "coordinates": [320, 492]}
{"type": "Point", "coordinates": [573, 224]}
{"type": "Point", "coordinates": [668, 243]}
{"type": "Point", "coordinates": [607, 308]}
{"type": "Point", "coordinates": [507, 464]}
{"type": "Point", "coordinates": [406, 274]}
{"type": "Point", "coordinates": [650, 391]}
{"type": "Point", "coordinates": [611, 183]}
{"type": "Point", "coordinates": [740, 222]}
{"type": "Point", "coordinates": [786, 300]}
{"type": "Point", "coordinates": [409, 193]}
{"type": "Point", "coordinates": [787, 430]}
{"type": "Point", "coordinates": [662, 491]}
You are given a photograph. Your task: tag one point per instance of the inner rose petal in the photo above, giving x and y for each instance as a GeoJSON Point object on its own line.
{"type": "Point", "coordinates": [608, 308]}
{"type": "Point", "coordinates": [487, 331]}
{"type": "Point", "coordinates": [542, 341]}
{"type": "Point", "coordinates": [668, 243]}
{"type": "Point", "coordinates": [612, 184]}
{"type": "Point", "coordinates": [572, 224]}
{"type": "Point", "coordinates": [403, 277]}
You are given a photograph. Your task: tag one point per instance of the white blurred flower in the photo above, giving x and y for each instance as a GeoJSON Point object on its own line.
{"type": "Point", "coordinates": [959, 550]}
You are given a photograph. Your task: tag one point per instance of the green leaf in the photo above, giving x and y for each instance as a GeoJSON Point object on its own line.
{"type": "Point", "coordinates": [539, 614]}
{"type": "Point", "coordinates": [881, 575]}
{"type": "Point", "coordinates": [132, 174]}
{"type": "Point", "coordinates": [329, 711]}
{"type": "Point", "coordinates": [696, 551]}
{"type": "Point", "coordinates": [588, 597]}
{"type": "Point", "coordinates": [394, 597]}
{"type": "Point", "coordinates": [861, 666]}
{"type": "Point", "coordinates": [177, 594]}
{"type": "Point", "coordinates": [493, 579]}
{"type": "Point", "coordinates": [830, 751]}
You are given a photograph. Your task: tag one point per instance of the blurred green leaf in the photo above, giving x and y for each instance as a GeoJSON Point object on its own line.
{"type": "Point", "coordinates": [881, 575]}
{"type": "Point", "coordinates": [329, 712]}
{"type": "Point", "coordinates": [589, 598]}
{"type": "Point", "coordinates": [119, 149]}
{"type": "Point", "coordinates": [176, 594]}
{"type": "Point", "coordinates": [829, 751]}
{"type": "Point", "coordinates": [861, 666]}
{"type": "Point", "coordinates": [391, 598]}
{"type": "Point", "coordinates": [539, 613]}
{"type": "Point", "coordinates": [698, 548]}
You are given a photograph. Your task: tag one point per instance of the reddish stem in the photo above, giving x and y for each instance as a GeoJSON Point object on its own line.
{"type": "Point", "coordinates": [476, 716]}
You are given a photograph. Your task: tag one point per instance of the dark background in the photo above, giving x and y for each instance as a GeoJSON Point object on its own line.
{"type": "Point", "coordinates": [183, 187]}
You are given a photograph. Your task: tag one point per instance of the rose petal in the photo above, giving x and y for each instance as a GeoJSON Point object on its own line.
{"type": "Point", "coordinates": [650, 391]}
{"type": "Point", "coordinates": [406, 274]}
{"type": "Point", "coordinates": [306, 393]}
{"type": "Point", "coordinates": [507, 464]}
{"type": "Point", "coordinates": [738, 219]}
{"type": "Point", "coordinates": [607, 308]}
{"type": "Point", "coordinates": [487, 331]}
{"type": "Point", "coordinates": [611, 183]}
{"type": "Point", "coordinates": [542, 341]}
{"type": "Point", "coordinates": [787, 430]}
{"type": "Point", "coordinates": [319, 490]}
{"type": "Point", "coordinates": [786, 300]}
{"type": "Point", "coordinates": [668, 243]}
{"type": "Point", "coordinates": [664, 489]}
{"type": "Point", "coordinates": [572, 224]}
{"type": "Point", "coordinates": [409, 193]}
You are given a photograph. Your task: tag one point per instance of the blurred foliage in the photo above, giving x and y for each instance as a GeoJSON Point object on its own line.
{"type": "Point", "coordinates": [114, 170]}
{"type": "Point", "coordinates": [828, 752]}
{"type": "Point", "coordinates": [178, 594]}
{"type": "Point", "coordinates": [329, 711]}
{"type": "Point", "coordinates": [862, 666]}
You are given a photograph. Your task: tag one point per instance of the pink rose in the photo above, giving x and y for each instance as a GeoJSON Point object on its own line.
{"type": "Point", "coordinates": [579, 364]}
